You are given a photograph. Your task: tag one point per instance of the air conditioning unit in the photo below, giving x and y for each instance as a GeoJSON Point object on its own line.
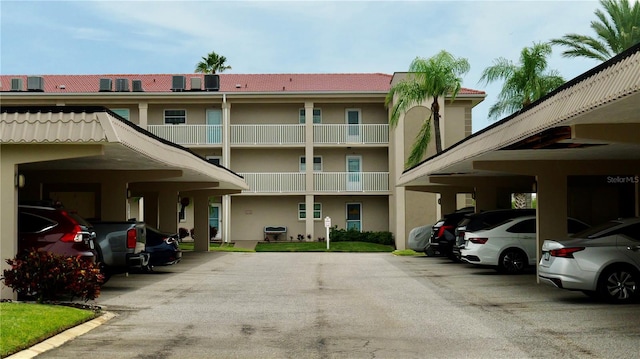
{"type": "Point", "coordinates": [35, 83]}
{"type": "Point", "coordinates": [17, 84]}
{"type": "Point", "coordinates": [137, 85]}
{"type": "Point", "coordinates": [212, 82]}
{"type": "Point", "coordinates": [105, 85]}
{"type": "Point", "coordinates": [178, 83]}
{"type": "Point", "coordinates": [122, 85]}
{"type": "Point", "coordinates": [196, 84]}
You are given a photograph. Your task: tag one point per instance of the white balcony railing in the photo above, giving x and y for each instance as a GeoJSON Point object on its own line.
{"type": "Point", "coordinates": [189, 134]}
{"type": "Point", "coordinates": [267, 134]}
{"type": "Point", "coordinates": [351, 182]}
{"type": "Point", "coordinates": [323, 182]}
{"type": "Point", "coordinates": [274, 182]}
{"type": "Point", "coordinates": [355, 134]}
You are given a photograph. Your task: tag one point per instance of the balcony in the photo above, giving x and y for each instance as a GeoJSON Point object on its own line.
{"type": "Point", "coordinates": [274, 182]}
{"type": "Point", "coordinates": [351, 181]}
{"type": "Point", "coordinates": [268, 135]}
{"type": "Point", "coordinates": [351, 134]}
{"type": "Point", "coordinates": [335, 182]}
{"type": "Point", "coordinates": [189, 135]}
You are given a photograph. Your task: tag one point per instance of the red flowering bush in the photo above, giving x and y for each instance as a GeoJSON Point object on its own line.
{"type": "Point", "coordinates": [46, 276]}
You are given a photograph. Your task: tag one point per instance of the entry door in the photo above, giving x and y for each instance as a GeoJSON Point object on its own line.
{"type": "Point", "coordinates": [214, 128]}
{"type": "Point", "coordinates": [353, 125]}
{"type": "Point", "coordinates": [354, 216]}
{"type": "Point", "coordinates": [354, 173]}
{"type": "Point", "coordinates": [214, 221]}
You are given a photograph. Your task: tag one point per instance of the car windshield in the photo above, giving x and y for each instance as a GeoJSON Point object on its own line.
{"type": "Point", "coordinates": [593, 231]}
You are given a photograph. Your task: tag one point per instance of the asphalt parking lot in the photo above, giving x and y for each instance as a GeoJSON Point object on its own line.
{"type": "Point", "coordinates": [347, 305]}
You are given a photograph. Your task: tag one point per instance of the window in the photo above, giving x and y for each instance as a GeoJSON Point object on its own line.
{"type": "Point", "coordinates": [526, 226]}
{"type": "Point", "coordinates": [216, 160]}
{"type": "Point", "coordinates": [317, 115]}
{"type": "Point", "coordinates": [122, 112]}
{"type": "Point", "coordinates": [317, 211]}
{"type": "Point", "coordinates": [175, 117]}
{"type": "Point", "coordinates": [317, 164]}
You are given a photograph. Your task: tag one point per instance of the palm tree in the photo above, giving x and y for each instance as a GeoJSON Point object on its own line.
{"type": "Point", "coordinates": [615, 33]}
{"type": "Point", "coordinates": [212, 63]}
{"type": "Point", "coordinates": [430, 78]}
{"type": "Point", "coordinates": [525, 82]}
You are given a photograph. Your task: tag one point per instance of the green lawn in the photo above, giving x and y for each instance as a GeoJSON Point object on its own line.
{"type": "Point", "coordinates": [25, 324]}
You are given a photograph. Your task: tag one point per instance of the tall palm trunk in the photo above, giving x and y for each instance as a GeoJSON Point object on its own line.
{"type": "Point", "coordinates": [435, 108]}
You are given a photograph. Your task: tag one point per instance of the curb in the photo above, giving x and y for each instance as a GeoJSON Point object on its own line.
{"type": "Point", "coordinates": [62, 338]}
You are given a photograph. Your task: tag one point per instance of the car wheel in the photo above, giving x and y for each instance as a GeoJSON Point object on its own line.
{"type": "Point", "coordinates": [512, 261]}
{"type": "Point", "coordinates": [618, 284]}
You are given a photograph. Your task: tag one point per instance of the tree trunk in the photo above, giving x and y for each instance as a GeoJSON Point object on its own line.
{"type": "Point", "coordinates": [520, 200]}
{"type": "Point", "coordinates": [435, 108]}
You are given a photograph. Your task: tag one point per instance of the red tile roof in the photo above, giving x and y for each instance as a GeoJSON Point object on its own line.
{"type": "Point", "coordinates": [267, 83]}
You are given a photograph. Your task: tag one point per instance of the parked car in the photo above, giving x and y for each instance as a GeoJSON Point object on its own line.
{"type": "Point", "coordinates": [162, 247]}
{"type": "Point", "coordinates": [603, 261]}
{"type": "Point", "coordinates": [120, 246]}
{"type": "Point", "coordinates": [55, 230]}
{"type": "Point", "coordinates": [442, 234]}
{"type": "Point", "coordinates": [477, 221]}
{"type": "Point", "coordinates": [419, 239]}
{"type": "Point", "coordinates": [509, 246]}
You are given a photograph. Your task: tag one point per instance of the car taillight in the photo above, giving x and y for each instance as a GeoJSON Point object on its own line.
{"type": "Point", "coordinates": [565, 252]}
{"type": "Point", "coordinates": [442, 229]}
{"type": "Point", "coordinates": [74, 236]}
{"type": "Point", "coordinates": [132, 238]}
{"type": "Point", "coordinates": [478, 240]}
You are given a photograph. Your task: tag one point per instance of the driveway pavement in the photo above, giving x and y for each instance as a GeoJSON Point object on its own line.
{"type": "Point", "coordinates": [345, 305]}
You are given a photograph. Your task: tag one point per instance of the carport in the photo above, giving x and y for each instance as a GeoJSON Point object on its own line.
{"type": "Point", "coordinates": [93, 152]}
{"type": "Point", "coordinates": [578, 148]}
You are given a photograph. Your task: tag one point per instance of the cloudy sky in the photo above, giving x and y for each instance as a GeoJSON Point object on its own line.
{"type": "Point", "coordinates": [117, 37]}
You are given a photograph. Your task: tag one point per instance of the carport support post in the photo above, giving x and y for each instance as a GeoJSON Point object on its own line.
{"type": "Point", "coordinates": [201, 221]}
{"type": "Point", "coordinates": [448, 202]}
{"type": "Point", "coordinates": [551, 209]}
{"type": "Point", "coordinates": [8, 218]}
{"type": "Point", "coordinates": [114, 200]}
{"type": "Point", "coordinates": [486, 198]}
{"type": "Point", "coordinates": [168, 211]}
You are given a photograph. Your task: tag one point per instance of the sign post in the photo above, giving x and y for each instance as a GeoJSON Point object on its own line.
{"type": "Point", "coordinates": [327, 225]}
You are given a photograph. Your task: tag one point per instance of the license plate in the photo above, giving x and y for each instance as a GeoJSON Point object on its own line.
{"type": "Point", "coordinates": [545, 256]}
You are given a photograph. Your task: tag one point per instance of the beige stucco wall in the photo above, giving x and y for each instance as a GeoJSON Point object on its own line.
{"type": "Point", "coordinates": [287, 159]}
{"type": "Point", "coordinates": [250, 214]}
{"type": "Point", "coordinates": [454, 123]}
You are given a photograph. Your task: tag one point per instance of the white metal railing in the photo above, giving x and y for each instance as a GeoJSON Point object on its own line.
{"type": "Point", "coordinates": [267, 134]}
{"type": "Point", "coordinates": [363, 134]}
{"type": "Point", "coordinates": [351, 181]}
{"type": "Point", "coordinates": [273, 134]}
{"type": "Point", "coordinates": [188, 134]}
{"type": "Point", "coordinates": [274, 182]}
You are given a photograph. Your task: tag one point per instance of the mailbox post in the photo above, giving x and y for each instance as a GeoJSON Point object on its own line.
{"type": "Point", "coordinates": [327, 225]}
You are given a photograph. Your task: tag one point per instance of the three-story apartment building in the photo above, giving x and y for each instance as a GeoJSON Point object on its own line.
{"type": "Point", "coordinates": [309, 146]}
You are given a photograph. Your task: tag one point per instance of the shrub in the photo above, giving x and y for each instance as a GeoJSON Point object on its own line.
{"type": "Point", "coordinates": [46, 276]}
{"type": "Point", "coordinates": [353, 235]}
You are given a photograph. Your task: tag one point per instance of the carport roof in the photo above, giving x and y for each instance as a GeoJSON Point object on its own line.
{"type": "Point", "coordinates": [125, 146]}
{"type": "Point", "coordinates": [594, 116]}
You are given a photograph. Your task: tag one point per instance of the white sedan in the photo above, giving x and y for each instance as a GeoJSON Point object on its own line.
{"type": "Point", "coordinates": [510, 246]}
{"type": "Point", "coordinates": [603, 261]}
